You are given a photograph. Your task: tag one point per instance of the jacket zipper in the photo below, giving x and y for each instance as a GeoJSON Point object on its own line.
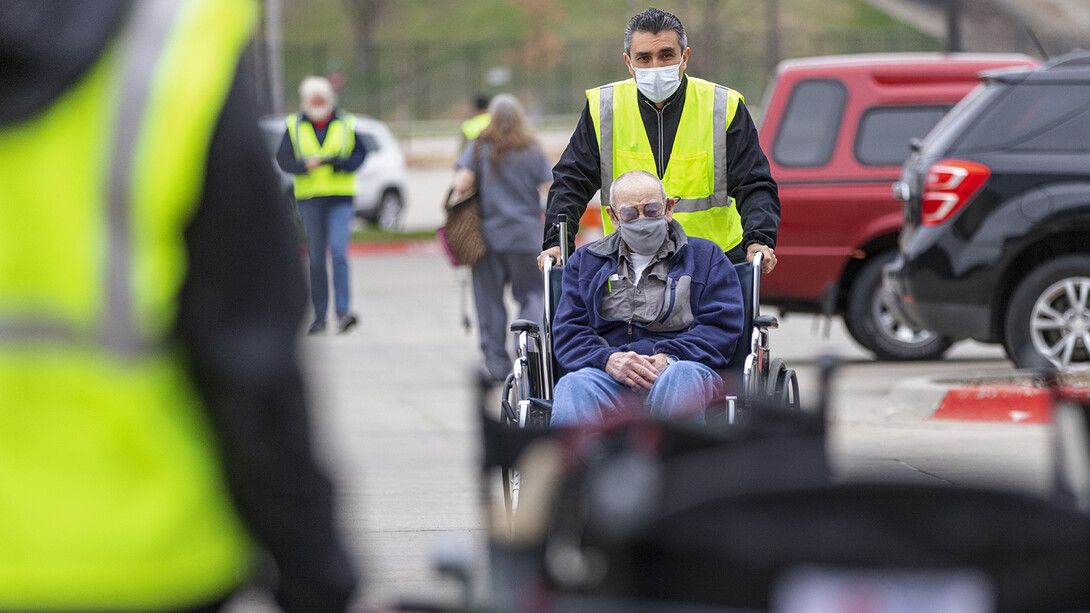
{"type": "Point", "coordinates": [658, 162]}
{"type": "Point", "coordinates": [661, 167]}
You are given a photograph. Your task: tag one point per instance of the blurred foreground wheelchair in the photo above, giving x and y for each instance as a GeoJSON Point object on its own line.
{"type": "Point", "coordinates": [657, 516]}
{"type": "Point", "coordinates": [752, 377]}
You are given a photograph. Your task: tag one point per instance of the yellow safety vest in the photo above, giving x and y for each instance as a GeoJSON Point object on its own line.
{"type": "Point", "coordinates": [113, 496]}
{"type": "Point", "coordinates": [340, 140]}
{"type": "Point", "coordinates": [696, 174]}
{"type": "Point", "coordinates": [472, 127]}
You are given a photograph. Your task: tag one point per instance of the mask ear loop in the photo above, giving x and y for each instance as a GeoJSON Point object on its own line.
{"type": "Point", "coordinates": [615, 213]}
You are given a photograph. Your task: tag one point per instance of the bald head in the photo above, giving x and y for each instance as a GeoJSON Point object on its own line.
{"type": "Point", "coordinates": [633, 186]}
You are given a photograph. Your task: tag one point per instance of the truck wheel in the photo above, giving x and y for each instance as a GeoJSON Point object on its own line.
{"type": "Point", "coordinates": [1048, 318]}
{"type": "Point", "coordinates": [871, 323]}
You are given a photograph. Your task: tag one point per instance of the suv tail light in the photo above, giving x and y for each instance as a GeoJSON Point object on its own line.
{"type": "Point", "coordinates": [950, 184]}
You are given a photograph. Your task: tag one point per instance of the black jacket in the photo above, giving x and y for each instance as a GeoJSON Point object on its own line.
{"type": "Point", "coordinates": [577, 176]}
{"type": "Point", "coordinates": [240, 307]}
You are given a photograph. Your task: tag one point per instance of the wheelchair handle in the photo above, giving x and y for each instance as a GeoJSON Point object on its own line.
{"type": "Point", "coordinates": [758, 262]}
{"type": "Point", "coordinates": [547, 323]}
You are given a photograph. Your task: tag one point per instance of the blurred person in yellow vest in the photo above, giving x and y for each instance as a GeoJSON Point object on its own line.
{"type": "Point", "coordinates": [322, 149]}
{"type": "Point", "coordinates": [153, 430]}
{"type": "Point", "coordinates": [472, 127]}
{"type": "Point", "coordinates": [697, 137]}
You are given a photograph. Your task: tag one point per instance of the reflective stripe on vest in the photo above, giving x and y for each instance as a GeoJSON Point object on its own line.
{"type": "Point", "coordinates": [142, 46]}
{"type": "Point", "coordinates": [116, 495]}
{"type": "Point", "coordinates": [698, 184]}
{"type": "Point", "coordinates": [339, 142]}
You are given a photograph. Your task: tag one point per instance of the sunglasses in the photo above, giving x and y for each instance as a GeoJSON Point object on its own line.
{"type": "Point", "coordinates": [629, 213]}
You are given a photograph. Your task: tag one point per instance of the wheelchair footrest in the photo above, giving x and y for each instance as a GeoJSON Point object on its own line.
{"type": "Point", "coordinates": [539, 413]}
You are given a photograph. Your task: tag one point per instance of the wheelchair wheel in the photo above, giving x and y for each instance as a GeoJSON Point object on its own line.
{"type": "Point", "coordinates": [511, 480]}
{"type": "Point", "coordinates": [783, 385]}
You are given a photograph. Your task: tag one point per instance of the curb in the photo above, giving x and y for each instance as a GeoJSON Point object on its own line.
{"type": "Point", "coordinates": [915, 399]}
{"type": "Point", "coordinates": [996, 398]}
{"type": "Point", "coordinates": [395, 247]}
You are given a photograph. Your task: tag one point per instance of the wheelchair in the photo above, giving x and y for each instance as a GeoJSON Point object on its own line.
{"type": "Point", "coordinates": [656, 515]}
{"type": "Point", "coordinates": [652, 515]}
{"type": "Point", "coordinates": [755, 378]}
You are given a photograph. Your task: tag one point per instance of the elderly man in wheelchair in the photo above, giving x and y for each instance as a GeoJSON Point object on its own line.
{"type": "Point", "coordinates": [648, 317]}
{"type": "Point", "coordinates": [686, 340]}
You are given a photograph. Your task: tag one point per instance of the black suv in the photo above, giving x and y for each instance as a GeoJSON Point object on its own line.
{"type": "Point", "coordinates": [996, 238]}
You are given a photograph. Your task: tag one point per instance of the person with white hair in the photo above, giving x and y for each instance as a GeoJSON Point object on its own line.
{"type": "Point", "coordinates": [321, 148]}
{"type": "Point", "coordinates": [511, 171]}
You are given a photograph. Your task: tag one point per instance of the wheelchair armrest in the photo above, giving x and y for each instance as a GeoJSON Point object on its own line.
{"type": "Point", "coordinates": [765, 322]}
{"type": "Point", "coordinates": [523, 325]}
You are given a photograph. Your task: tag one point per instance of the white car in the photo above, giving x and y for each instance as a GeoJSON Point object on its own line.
{"type": "Point", "coordinates": [380, 182]}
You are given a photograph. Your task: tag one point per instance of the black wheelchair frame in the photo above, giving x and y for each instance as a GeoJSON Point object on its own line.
{"type": "Point", "coordinates": [756, 378]}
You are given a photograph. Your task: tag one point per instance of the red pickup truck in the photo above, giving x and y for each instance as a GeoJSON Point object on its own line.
{"type": "Point", "coordinates": [836, 130]}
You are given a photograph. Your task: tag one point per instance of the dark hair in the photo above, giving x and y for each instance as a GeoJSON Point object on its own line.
{"type": "Point", "coordinates": [481, 101]}
{"type": "Point", "coordinates": [654, 21]}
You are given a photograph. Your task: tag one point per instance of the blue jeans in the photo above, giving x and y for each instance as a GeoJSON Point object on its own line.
{"type": "Point", "coordinates": [327, 224]}
{"type": "Point", "coordinates": [589, 395]}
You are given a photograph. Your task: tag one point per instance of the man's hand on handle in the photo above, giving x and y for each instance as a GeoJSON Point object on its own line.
{"type": "Point", "coordinates": [554, 253]}
{"type": "Point", "coordinates": [770, 257]}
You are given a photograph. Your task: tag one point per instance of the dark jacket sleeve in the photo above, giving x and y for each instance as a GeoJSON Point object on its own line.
{"type": "Point", "coordinates": [750, 179]}
{"type": "Point", "coordinates": [355, 159]}
{"type": "Point", "coordinates": [285, 157]}
{"type": "Point", "coordinates": [240, 310]}
{"type": "Point", "coordinates": [576, 177]}
{"type": "Point", "coordinates": [577, 343]}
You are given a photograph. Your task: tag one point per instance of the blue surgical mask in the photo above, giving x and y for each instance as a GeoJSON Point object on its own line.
{"type": "Point", "coordinates": [659, 83]}
{"type": "Point", "coordinates": [644, 235]}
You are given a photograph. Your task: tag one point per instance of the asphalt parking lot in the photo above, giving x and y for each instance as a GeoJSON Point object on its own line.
{"type": "Point", "coordinates": [396, 425]}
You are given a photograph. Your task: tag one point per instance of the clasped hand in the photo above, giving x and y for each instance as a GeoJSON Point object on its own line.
{"type": "Point", "coordinates": [312, 163]}
{"type": "Point", "coordinates": [635, 371]}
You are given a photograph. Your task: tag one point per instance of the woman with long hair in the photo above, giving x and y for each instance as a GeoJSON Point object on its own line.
{"type": "Point", "coordinates": [513, 174]}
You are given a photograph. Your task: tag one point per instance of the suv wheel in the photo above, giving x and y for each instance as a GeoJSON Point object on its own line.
{"type": "Point", "coordinates": [1049, 316]}
{"type": "Point", "coordinates": [390, 210]}
{"type": "Point", "coordinates": [871, 322]}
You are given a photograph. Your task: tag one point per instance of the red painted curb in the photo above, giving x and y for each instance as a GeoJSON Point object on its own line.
{"type": "Point", "coordinates": [1016, 404]}
{"type": "Point", "coordinates": [396, 247]}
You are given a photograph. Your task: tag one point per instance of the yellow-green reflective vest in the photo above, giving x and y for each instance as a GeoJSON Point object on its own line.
{"type": "Point", "coordinates": [340, 140]}
{"type": "Point", "coordinates": [113, 496]}
{"type": "Point", "coordinates": [472, 127]}
{"type": "Point", "coordinates": [696, 174]}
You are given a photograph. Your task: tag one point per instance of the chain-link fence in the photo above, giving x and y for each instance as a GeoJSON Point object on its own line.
{"type": "Point", "coordinates": [438, 81]}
